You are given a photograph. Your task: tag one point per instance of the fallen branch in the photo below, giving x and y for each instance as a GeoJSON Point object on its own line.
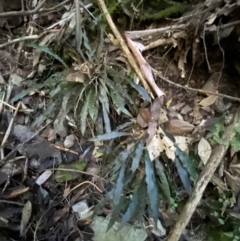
{"type": "Point", "coordinates": [203, 180]}
{"type": "Point", "coordinates": [23, 13]}
{"type": "Point", "coordinates": [152, 32]}
{"type": "Point", "coordinates": [17, 40]}
{"type": "Point", "coordinates": [193, 89]}
{"type": "Point", "coordinates": [38, 9]}
{"type": "Point", "coordinates": [129, 55]}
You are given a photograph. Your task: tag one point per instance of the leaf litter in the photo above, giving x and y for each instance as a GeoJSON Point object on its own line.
{"type": "Point", "coordinates": [85, 146]}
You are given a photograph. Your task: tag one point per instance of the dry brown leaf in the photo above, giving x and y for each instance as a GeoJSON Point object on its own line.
{"type": "Point", "coordinates": [15, 192]}
{"type": "Point", "coordinates": [155, 147]}
{"type": "Point", "coordinates": [186, 109]}
{"type": "Point", "coordinates": [168, 145]}
{"type": "Point", "coordinates": [26, 215]}
{"type": "Point", "coordinates": [178, 127]}
{"type": "Point", "coordinates": [233, 182]}
{"type": "Point", "coordinates": [212, 83]}
{"type": "Point", "coordinates": [151, 131]}
{"type": "Point", "coordinates": [163, 116]}
{"type": "Point", "coordinates": [183, 142]}
{"type": "Point", "coordinates": [235, 167]}
{"type": "Point", "coordinates": [209, 100]}
{"type": "Point", "coordinates": [155, 109]}
{"type": "Point", "coordinates": [76, 77]}
{"type": "Point", "coordinates": [141, 121]}
{"type": "Point", "coordinates": [43, 177]}
{"type": "Point", "coordinates": [145, 114]}
{"type": "Point", "coordinates": [204, 150]}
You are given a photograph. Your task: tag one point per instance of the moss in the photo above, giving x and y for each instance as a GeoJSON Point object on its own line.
{"type": "Point", "coordinates": [63, 176]}
{"type": "Point", "coordinates": [169, 11]}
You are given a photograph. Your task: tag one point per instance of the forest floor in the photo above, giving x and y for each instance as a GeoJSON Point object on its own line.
{"type": "Point", "coordinates": [114, 128]}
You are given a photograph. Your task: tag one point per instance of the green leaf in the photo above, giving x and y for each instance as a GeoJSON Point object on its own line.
{"type": "Point", "coordinates": [130, 103]}
{"type": "Point", "coordinates": [103, 97]}
{"type": "Point", "coordinates": [79, 99]}
{"type": "Point", "coordinates": [140, 90]}
{"type": "Point", "coordinates": [151, 187]}
{"type": "Point", "coordinates": [41, 118]}
{"type": "Point", "coordinates": [138, 154]}
{"type": "Point", "coordinates": [119, 186]}
{"type": "Point", "coordinates": [106, 119]}
{"type": "Point", "coordinates": [237, 128]}
{"type": "Point", "coordinates": [109, 136]}
{"type": "Point", "coordinates": [92, 102]}
{"type": "Point", "coordinates": [84, 113]}
{"type": "Point", "coordinates": [142, 201]}
{"type": "Point", "coordinates": [183, 175]}
{"type": "Point", "coordinates": [123, 126]}
{"type": "Point", "coordinates": [132, 207]}
{"type": "Point", "coordinates": [121, 159]}
{"type": "Point", "coordinates": [115, 213]}
{"type": "Point", "coordinates": [45, 49]}
{"type": "Point", "coordinates": [119, 102]}
{"type": "Point", "coordinates": [187, 163]}
{"type": "Point", "coordinates": [235, 143]}
{"type": "Point", "coordinates": [163, 180]}
{"type": "Point", "coordinates": [88, 50]}
{"type": "Point", "coordinates": [27, 91]}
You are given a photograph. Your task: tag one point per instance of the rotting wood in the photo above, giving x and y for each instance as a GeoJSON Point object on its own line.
{"type": "Point", "coordinates": [204, 178]}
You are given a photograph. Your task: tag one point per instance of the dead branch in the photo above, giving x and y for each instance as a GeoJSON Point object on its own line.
{"type": "Point", "coordinates": [38, 9]}
{"type": "Point", "coordinates": [146, 33]}
{"type": "Point", "coordinates": [203, 180]}
{"type": "Point", "coordinates": [23, 13]}
{"type": "Point", "coordinates": [129, 55]}
{"type": "Point", "coordinates": [193, 89]}
{"type": "Point", "coordinates": [17, 40]}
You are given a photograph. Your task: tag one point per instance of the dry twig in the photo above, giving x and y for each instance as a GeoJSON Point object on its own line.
{"type": "Point", "coordinates": [38, 9]}
{"type": "Point", "coordinates": [20, 40]}
{"type": "Point", "coordinates": [129, 55]}
{"type": "Point", "coordinates": [193, 89]}
{"type": "Point", "coordinates": [23, 13]}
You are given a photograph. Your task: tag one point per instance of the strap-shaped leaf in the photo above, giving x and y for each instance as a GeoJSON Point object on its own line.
{"type": "Point", "coordinates": [115, 213]}
{"type": "Point", "coordinates": [92, 102]}
{"type": "Point", "coordinates": [151, 187]}
{"type": "Point", "coordinates": [95, 114]}
{"type": "Point", "coordinates": [187, 163]}
{"type": "Point", "coordinates": [103, 97]}
{"type": "Point", "coordinates": [106, 119]}
{"type": "Point", "coordinates": [45, 49]}
{"type": "Point", "coordinates": [41, 118]}
{"type": "Point", "coordinates": [124, 125]}
{"type": "Point", "coordinates": [121, 159]}
{"type": "Point", "coordinates": [132, 207]}
{"type": "Point", "coordinates": [119, 186]}
{"type": "Point", "coordinates": [27, 91]}
{"type": "Point", "coordinates": [103, 83]}
{"type": "Point", "coordinates": [140, 90]}
{"type": "Point", "coordinates": [109, 136]}
{"type": "Point", "coordinates": [138, 154]}
{"type": "Point", "coordinates": [84, 113]}
{"type": "Point", "coordinates": [130, 102]}
{"type": "Point", "coordinates": [142, 201]}
{"type": "Point", "coordinates": [119, 102]}
{"type": "Point", "coordinates": [184, 176]}
{"type": "Point", "coordinates": [163, 180]}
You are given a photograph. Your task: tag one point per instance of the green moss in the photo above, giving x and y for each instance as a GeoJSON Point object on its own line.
{"type": "Point", "coordinates": [63, 176]}
{"type": "Point", "coordinates": [169, 11]}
